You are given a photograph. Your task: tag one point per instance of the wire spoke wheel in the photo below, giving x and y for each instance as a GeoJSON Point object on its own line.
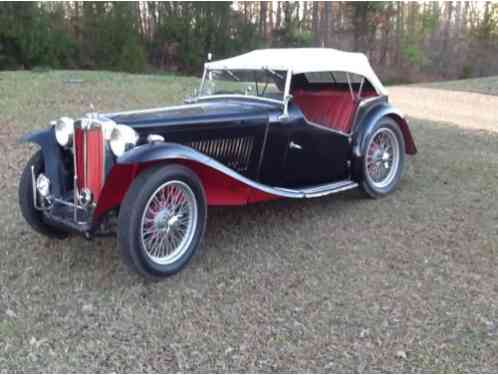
{"type": "Point", "coordinates": [169, 222]}
{"type": "Point", "coordinates": [382, 158]}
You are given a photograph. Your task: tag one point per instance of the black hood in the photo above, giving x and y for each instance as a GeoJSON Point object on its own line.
{"type": "Point", "coordinates": [201, 112]}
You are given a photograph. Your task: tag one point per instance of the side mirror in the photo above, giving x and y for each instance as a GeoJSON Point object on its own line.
{"type": "Point", "coordinates": [284, 117]}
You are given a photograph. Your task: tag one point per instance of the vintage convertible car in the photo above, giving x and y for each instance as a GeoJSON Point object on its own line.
{"type": "Point", "coordinates": [268, 124]}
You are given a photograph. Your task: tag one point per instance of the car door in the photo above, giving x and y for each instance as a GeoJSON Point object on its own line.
{"type": "Point", "coordinates": [315, 155]}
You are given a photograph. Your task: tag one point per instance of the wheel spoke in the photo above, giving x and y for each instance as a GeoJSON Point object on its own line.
{"type": "Point", "coordinates": [169, 222]}
{"type": "Point", "coordinates": [382, 157]}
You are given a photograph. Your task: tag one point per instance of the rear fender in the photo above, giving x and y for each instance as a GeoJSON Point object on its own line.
{"type": "Point", "coordinates": [366, 127]}
{"type": "Point", "coordinates": [371, 118]}
{"type": "Point", "coordinates": [223, 186]}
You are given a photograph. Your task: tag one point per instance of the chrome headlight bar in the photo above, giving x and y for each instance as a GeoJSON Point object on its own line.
{"type": "Point", "coordinates": [121, 138]}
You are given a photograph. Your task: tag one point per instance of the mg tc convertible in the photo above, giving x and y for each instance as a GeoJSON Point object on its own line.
{"type": "Point", "coordinates": [265, 125]}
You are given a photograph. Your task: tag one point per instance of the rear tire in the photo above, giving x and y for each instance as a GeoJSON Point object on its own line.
{"type": "Point", "coordinates": [162, 221]}
{"type": "Point", "coordinates": [33, 216]}
{"type": "Point", "coordinates": [383, 159]}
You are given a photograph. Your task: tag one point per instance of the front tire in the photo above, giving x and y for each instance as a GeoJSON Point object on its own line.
{"type": "Point", "coordinates": [33, 216]}
{"type": "Point", "coordinates": [383, 159]}
{"type": "Point", "coordinates": [162, 221]}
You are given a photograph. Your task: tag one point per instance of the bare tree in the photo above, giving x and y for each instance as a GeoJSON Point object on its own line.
{"type": "Point", "coordinates": [325, 24]}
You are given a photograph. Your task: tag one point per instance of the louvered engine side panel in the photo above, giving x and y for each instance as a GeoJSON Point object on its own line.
{"type": "Point", "coordinates": [232, 152]}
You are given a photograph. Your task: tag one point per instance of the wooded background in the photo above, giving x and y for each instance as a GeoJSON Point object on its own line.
{"type": "Point", "coordinates": [405, 41]}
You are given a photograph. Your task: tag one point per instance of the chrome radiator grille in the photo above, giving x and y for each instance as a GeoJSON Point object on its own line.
{"type": "Point", "coordinates": [233, 152]}
{"type": "Point", "coordinates": [89, 160]}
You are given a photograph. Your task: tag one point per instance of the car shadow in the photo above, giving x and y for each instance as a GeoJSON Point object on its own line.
{"type": "Point", "coordinates": [232, 233]}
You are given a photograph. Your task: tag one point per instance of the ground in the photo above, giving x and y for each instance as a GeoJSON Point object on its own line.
{"type": "Point", "coordinates": [488, 85]}
{"type": "Point", "coordinates": [342, 283]}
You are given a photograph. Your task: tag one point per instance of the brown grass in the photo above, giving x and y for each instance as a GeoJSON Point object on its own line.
{"type": "Point", "coordinates": [343, 283]}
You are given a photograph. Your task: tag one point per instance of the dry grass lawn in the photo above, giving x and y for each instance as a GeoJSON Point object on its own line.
{"type": "Point", "coordinates": [342, 283]}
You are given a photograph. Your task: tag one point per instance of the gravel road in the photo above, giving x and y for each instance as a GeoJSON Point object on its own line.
{"type": "Point", "coordinates": [466, 109]}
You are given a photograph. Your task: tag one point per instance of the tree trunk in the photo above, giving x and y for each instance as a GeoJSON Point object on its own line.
{"type": "Point", "coordinates": [399, 33]}
{"type": "Point", "coordinates": [385, 34]}
{"type": "Point", "coordinates": [270, 22]}
{"type": "Point", "coordinates": [278, 21]}
{"type": "Point", "coordinates": [314, 24]}
{"type": "Point", "coordinates": [263, 7]}
{"type": "Point", "coordinates": [325, 26]}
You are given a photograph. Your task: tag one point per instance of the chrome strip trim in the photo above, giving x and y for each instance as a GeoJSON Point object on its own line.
{"type": "Point", "coordinates": [326, 189]}
{"type": "Point", "coordinates": [365, 101]}
{"type": "Point", "coordinates": [178, 151]}
{"type": "Point", "coordinates": [239, 96]}
{"type": "Point", "coordinates": [149, 110]}
{"type": "Point", "coordinates": [311, 123]}
{"type": "Point", "coordinates": [187, 153]}
{"type": "Point", "coordinates": [85, 157]}
{"type": "Point", "coordinates": [75, 178]}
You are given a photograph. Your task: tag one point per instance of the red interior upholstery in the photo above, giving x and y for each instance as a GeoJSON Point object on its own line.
{"type": "Point", "coordinates": [330, 108]}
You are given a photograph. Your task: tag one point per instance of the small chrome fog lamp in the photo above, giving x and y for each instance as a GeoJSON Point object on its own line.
{"type": "Point", "coordinates": [43, 185]}
{"type": "Point", "coordinates": [85, 197]}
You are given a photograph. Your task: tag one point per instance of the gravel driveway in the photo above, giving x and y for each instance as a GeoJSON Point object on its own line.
{"type": "Point", "coordinates": [467, 109]}
{"type": "Point", "coordinates": [342, 283]}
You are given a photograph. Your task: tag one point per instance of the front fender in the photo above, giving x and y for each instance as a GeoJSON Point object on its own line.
{"type": "Point", "coordinates": [52, 156]}
{"type": "Point", "coordinates": [368, 121]}
{"type": "Point", "coordinates": [158, 152]}
{"type": "Point", "coordinates": [223, 185]}
{"type": "Point", "coordinates": [40, 137]}
{"type": "Point", "coordinates": [163, 151]}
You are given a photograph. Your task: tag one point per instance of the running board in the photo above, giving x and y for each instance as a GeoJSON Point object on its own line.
{"type": "Point", "coordinates": [321, 190]}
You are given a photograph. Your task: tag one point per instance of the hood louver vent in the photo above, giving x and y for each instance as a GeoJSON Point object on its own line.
{"type": "Point", "coordinates": [233, 152]}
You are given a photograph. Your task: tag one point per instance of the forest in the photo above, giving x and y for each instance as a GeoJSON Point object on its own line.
{"type": "Point", "coordinates": [405, 41]}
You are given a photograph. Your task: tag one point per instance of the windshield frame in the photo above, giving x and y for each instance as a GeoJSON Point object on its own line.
{"type": "Point", "coordinates": [282, 102]}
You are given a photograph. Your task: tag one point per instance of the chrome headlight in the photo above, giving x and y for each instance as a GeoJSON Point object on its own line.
{"type": "Point", "coordinates": [107, 128]}
{"type": "Point", "coordinates": [64, 130]}
{"type": "Point", "coordinates": [122, 139]}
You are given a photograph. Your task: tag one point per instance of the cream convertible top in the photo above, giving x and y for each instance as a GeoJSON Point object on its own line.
{"type": "Point", "coordinates": [302, 60]}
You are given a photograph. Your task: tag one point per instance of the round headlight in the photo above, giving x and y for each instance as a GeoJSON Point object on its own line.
{"type": "Point", "coordinates": [64, 130]}
{"type": "Point", "coordinates": [107, 128]}
{"type": "Point", "coordinates": [122, 139]}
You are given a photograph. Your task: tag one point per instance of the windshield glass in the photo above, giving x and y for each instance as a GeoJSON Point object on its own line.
{"type": "Point", "coordinates": [259, 83]}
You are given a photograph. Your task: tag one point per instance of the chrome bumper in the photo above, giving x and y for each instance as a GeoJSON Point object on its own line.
{"type": "Point", "coordinates": [63, 212]}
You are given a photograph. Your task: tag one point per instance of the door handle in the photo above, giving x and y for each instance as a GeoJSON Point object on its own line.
{"type": "Point", "coordinates": [295, 145]}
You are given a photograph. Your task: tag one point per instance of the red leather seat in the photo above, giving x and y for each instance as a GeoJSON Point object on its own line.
{"type": "Point", "coordinates": [331, 108]}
